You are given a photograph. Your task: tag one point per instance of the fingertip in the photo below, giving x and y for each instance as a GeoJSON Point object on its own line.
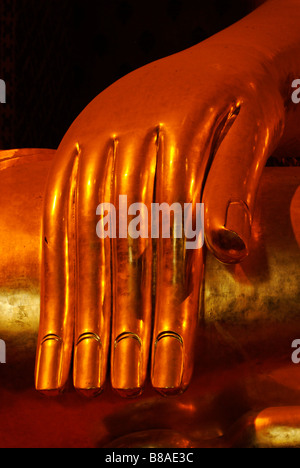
{"type": "Point", "coordinates": [170, 392]}
{"type": "Point", "coordinates": [228, 246]}
{"type": "Point", "coordinates": [88, 365]}
{"type": "Point", "coordinates": [54, 392]}
{"type": "Point", "coordinates": [230, 242]}
{"type": "Point", "coordinates": [48, 379]}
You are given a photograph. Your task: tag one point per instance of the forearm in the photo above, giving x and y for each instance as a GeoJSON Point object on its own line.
{"type": "Point", "coordinates": [272, 29]}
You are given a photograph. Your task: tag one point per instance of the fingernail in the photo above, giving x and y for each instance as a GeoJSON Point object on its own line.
{"type": "Point", "coordinates": [236, 236]}
{"type": "Point", "coordinates": [49, 366]}
{"type": "Point", "coordinates": [87, 365]}
{"type": "Point", "coordinates": [127, 365]}
{"type": "Point", "coordinates": [167, 371]}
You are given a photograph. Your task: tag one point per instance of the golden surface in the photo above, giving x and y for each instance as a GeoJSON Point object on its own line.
{"type": "Point", "coordinates": [249, 318]}
{"type": "Point", "coordinates": [196, 126]}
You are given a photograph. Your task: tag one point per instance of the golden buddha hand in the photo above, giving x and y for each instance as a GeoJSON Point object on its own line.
{"type": "Point", "coordinates": [199, 125]}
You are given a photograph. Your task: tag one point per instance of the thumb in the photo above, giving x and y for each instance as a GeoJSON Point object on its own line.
{"type": "Point", "coordinates": [232, 183]}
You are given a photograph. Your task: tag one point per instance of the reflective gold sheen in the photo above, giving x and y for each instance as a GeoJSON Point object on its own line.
{"type": "Point", "coordinates": [248, 319]}
{"type": "Point", "coordinates": [198, 126]}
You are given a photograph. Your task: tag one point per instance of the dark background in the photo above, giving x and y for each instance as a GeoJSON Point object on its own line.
{"type": "Point", "coordinates": [57, 55]}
